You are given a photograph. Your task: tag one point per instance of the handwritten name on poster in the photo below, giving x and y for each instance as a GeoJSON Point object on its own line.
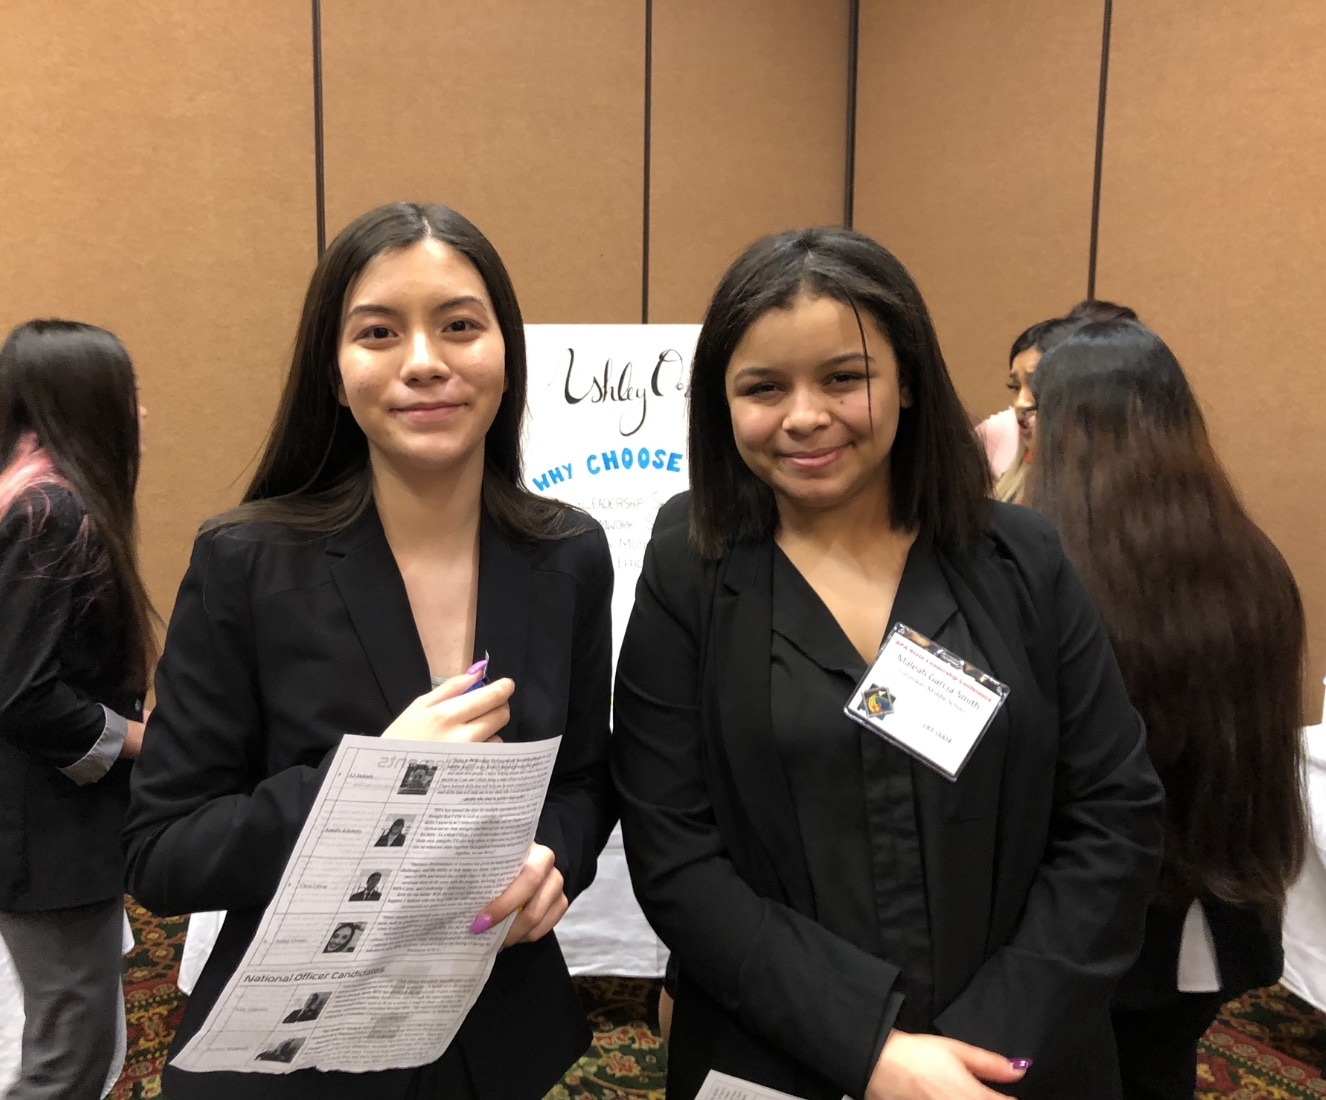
{"type": "Point", "coordinates": [607, 430]}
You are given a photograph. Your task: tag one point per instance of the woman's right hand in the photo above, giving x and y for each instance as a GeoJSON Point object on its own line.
{"type": "Point", "coordinates": [452, 712]}
{"type": "Point", "coordinates": [930, 1067]}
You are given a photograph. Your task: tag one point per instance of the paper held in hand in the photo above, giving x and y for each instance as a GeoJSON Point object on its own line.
{"type": "Point", "coordinates": [364, 959]}
{"type": "Point", "coordinates": [927, 700]}
{"type": "Point", "coordinates": [719, 1086]}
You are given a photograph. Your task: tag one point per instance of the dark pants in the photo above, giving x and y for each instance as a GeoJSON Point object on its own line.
{"type": "Point", "coordinates": [1158, 1045]}
{"type": "Point", "coordinates": [69, 963]}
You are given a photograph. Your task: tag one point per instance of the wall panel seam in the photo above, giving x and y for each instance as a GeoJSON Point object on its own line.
{"type": "Point", "coordinates": [319, 151]}
{"type": "Point", "coordinates": [1100, 147]}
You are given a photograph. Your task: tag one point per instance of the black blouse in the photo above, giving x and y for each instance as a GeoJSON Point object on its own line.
{"type": "Point", "coordinates": [853, 791]}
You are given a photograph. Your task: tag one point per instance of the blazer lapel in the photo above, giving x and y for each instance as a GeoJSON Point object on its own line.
{"type": "Point", "coordinates": [743, 628]}
{"type": "Point", "coordinates": [506, 601]}
{"type": "Point", "coordinates": [371, 587]}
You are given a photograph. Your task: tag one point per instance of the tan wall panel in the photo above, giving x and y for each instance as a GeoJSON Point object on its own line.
{"type": "Point", "coordinates": [1212, 226]}
{"type": "Point", "coordinates": [527, 117]}
{"type": "Point", "coordinates": [976, 134]}
{"type": "Point", "coordinates": [156, 167]}
{"type": "Point", "coordinates": [748, 137]}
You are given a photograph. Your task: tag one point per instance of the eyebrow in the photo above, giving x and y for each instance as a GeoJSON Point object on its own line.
{"type": "Point", "coordinates": [762, 371]}
{"type": "Point", "coordinates": [450, 303]}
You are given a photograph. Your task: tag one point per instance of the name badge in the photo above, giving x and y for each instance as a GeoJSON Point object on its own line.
{"type": "Point", "coordinates": [926, 700]}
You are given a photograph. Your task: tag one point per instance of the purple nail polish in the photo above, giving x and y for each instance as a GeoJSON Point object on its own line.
{"type": "Point", "coordinates": [1020, 1063]}
{"type": "Point", "coordinates": [478, 666]}
{"type": "Point", "coordinates": [481, 924]}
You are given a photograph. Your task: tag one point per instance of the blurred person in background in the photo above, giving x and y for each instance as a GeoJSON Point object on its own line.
{"type": "Point", "coordinates": [1006, 435]}
{"type": "Point", "coordinates": [76, 648]}
{"type": "Point", "coordinates": [1206, 621]}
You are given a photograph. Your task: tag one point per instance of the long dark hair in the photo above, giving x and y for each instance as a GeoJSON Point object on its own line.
{"type": "Point", "coordinates": [314, 471]}
{"type": "Point", "coordinates": [69, 417]}
{"type": "Point", "coordinates": [938, 476]}
{"type": "Point", "coordinates": [1203, 612]}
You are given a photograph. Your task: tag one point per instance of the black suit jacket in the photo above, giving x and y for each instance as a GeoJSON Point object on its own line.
{"type": "Point", "coordinates": [280, 644]}
{"type": "Point", "coordinates": [1039, 860]}
{"type": "Point", "coordinates": [63, 654]}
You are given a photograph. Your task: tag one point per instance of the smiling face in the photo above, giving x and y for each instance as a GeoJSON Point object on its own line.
{"type": "Point", "coordinates": [803, 418]}
{"type": "Point", "coordinates": [340, 938]}
{"type": "Point", "coordinates": [422, 359]}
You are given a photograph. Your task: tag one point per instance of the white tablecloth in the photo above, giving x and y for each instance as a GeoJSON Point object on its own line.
{"type": "Point", "coordinates": [604, 932]}
{"type": "Point", "coordinates": [1305, 913]}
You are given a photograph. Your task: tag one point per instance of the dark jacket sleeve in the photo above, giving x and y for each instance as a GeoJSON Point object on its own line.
{"type": "Point", "coordinates": [207, 827]}
{"type": "Point", "coordinates": [1082, 923]}
{"type": "Point", "coordinates": [788, 979]}
{"type": "Point", "coordinates": [40, 712]}
{"type": "Point", "coordinates": [581, 807]}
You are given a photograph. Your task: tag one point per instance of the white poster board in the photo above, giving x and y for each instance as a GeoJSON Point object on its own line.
{"type": "Point", "coordinates": [607, 430]}
{"type": "Point", "coordinates": [607, 433]}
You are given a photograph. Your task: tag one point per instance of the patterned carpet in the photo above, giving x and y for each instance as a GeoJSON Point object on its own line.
{"type": "Point", "coordinates": [1267, 1046]}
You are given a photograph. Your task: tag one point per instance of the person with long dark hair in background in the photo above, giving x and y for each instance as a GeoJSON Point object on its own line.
{"type": "Point", "coordinates": [76, 648]}
{"type": "Point", "coordinates": [844, 918]}
{"type": "Point", "coordinates": [1007, 435]}
{"type": "Point", "coordinates": [1208, 628]}
{"type": "Point", "coordinates": [385, 544]}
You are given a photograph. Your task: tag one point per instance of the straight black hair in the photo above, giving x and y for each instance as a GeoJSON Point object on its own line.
{"type": "Point", "coordinates": [1042, 336]}
{"type": "Point", "coordinates": [71, 387]}
{"type": "Point", "coordinates": [314, 471]}
{"type": "Point", "coordinates": [1098, 309]}
{"type": "Point", "coordinates": [938, 476]}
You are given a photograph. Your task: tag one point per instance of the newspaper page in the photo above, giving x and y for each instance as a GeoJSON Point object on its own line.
{"type": "Point", "coordinates": [720, 1086]}
{"type": "Point", "coordinates": [364, 959]}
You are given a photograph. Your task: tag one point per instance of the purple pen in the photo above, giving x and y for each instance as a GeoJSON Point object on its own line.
{"type": "Point", "coordinates": [481, 667]}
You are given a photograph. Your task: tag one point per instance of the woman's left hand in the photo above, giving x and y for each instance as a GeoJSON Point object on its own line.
{"type": "Point", "coordinates": [537, 894]}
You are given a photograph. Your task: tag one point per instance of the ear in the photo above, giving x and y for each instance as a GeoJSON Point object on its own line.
{"type": "Point", "coordinates": [904, 396]}
{"type": "Point", "coordinates": [340, 393]}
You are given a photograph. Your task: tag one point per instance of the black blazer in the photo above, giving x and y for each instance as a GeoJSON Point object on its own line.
{"type": "Point", "coordinates": [280, 644]}
{"type": "Point", "coordinates": [1039, 860]}
{"type": "Point", "coordinates": [63, 653]}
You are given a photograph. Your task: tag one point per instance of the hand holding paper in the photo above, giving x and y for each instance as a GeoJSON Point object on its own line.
{"type": "Point", "coordinates": [373, 914]}
{"type": "Point", "coordinates": [536, 896]}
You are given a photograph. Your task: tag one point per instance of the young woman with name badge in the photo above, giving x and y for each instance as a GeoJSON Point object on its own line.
{"type": "Point", "coordinates": [386, 541]}
{"type": "Point", "coordinates": [1208, 625]}
{"type": "Point", "coordinates": [845, 917]}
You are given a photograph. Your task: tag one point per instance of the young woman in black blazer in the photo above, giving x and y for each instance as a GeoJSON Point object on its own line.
{"type": "Point", "coordinates": [386, 541]}
{"type": "Point", "coordinates": [845, 919]}
{"type": "Point", "coordinates": [76, 643]}
{"type": "Point", "coordinates": [1208, 625]}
